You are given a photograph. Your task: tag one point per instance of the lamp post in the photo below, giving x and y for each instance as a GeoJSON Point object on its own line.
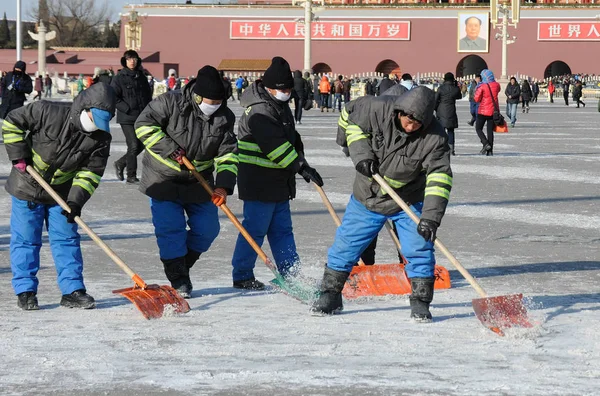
{"type": "Point", "coordinates": [507, 9]}
{"type": "Point", "coordinates": [309, 17]}
{"type": "Point", "coordinates": [19, 38]}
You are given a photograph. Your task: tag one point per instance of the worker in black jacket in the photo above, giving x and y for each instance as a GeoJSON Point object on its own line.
{"type": "Point", "coordinates": [271, 153]}
{"type": "Point", "coordinates": [14, 86]}
{"type": "Point", "coordinates": [69, 147]}
{"type": "Point", "coordinates": [191, 122]}
{"type": "Point", "coordinates": [133, 94]}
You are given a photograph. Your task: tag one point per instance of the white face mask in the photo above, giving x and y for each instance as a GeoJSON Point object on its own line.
{"type": "Point", "coordinates": [208, 109]}
{"type": "Point", "coordinates": [282, 96]}
{"type": "Point", "coordinates": [86, 122]}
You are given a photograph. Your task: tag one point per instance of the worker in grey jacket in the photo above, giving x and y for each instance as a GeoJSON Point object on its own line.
{"type": "Point", "coordinates": [398, 138]}
{"type": "Point", "coordinates": [193, 122]}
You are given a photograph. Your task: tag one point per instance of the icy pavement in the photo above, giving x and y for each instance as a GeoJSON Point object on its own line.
{"type": "Point", "coordinates": [523, 221]}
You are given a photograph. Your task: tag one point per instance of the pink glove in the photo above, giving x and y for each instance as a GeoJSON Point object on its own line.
{"type": "Point", "coordinates": [21, 165]}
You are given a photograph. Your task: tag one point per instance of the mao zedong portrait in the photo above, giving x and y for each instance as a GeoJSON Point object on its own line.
{"type": "Point", "coordinates": [472, 41]}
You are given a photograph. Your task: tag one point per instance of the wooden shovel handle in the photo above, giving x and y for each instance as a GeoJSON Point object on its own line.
{"type": "Point", "coordinates": [138, 281]}
{"type": "Point", "coordinates": [231, 217]}
{"type": "Point", "coordinates": [438, 244]}
{"type": "Point", "coordinates": [334, 216]}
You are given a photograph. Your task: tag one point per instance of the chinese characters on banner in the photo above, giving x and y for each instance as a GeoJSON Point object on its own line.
{"type": "Point", "coordinates": [322, 30]}
{"type": "Point", "coordinates": [569, 31]}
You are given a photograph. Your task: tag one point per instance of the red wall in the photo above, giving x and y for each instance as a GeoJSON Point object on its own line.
{"type": "Point", "coordinates": [193, 42]}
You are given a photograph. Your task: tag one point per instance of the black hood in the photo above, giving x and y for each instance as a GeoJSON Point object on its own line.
{"type": "Point", "coordinates": [124, 63]}
{"type": "Point", "coordinates": [21, 65]}
{"type": "Point", "coordinates": [99, 95]}
{"type": "Point", "coordinates": [418, 102]}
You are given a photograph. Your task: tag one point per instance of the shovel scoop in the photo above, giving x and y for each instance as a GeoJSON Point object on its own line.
{"type": "Point", "coordinates": [496, 313]}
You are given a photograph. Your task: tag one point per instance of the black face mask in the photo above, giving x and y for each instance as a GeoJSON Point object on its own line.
{"type": "Point", "coordinates": [17, 73]}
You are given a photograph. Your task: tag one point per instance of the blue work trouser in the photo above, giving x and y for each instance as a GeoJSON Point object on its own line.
{"type": "Point", "coordinates": [172, 235]}
{"type": "Point", "coordinates": [360, 226]}
{"type": "Point", "coordinates": [26, 225]}
{"type": "Point", "coordinates": [511, 112]}
{"type": "Point", "coordinates": [270, 219]}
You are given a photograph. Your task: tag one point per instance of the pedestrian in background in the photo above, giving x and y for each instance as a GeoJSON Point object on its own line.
{"type": "Point", "coordinates": [578, 93]}
{"type": "Point", "coordinates": [39, 87]}
{"type": "Point", "coordinates": [535, 91]}
{"type": "Point", "coordinates": [133, 94]}
{"type": "Point", "coordinates": [15, 85]}
{"type": "Point", "coordinates": [513, 97]}
{"type": "Point", "coordinates": [445, 106]}
{"type": "Point", "coordinates": [300, 95]}
{"type": "Point", "coordinates": [487, 97]}
{"type": "Point", "coordinates": [48, 86]}
{"type": "Point", "coordinates": [525, 96]}
{"type": "Point", "coordinates": [566, 86]}
{"type": "Point", "coordinates": [472, 104]}
{"type": "Point", "coordinates": [324, 89]}
{"type": "Point", "coordinates": [551, 89]}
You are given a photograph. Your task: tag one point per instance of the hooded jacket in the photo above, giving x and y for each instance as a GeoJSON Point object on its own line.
{"type": "Point", "coordinates": [50, 135]}
{"type": "Point", "coordinates": [514, 91]}
{"type": "Point", "coordinates": [175, 120]}
{"type": "Point", "coordinates": [20, 84]}
{"type": "Point", "coordinates": [301, 86]}
{"type": "Point", "coordinates": [270, 149]}
{"type": "Point", "coordinates": [445, 104]}
{"type": "Point", "coordinates": [385, 84]}
{"type": "Point", "coordinates": [324, 86]}
{"type": "Point", "coordinates": [396, 90]}
{"type": "Point", "coordinates": [133, 92]}
{"type": "Point", "coordinates": [416, 165]}
{"type": "Point", "coordinates": [482, 94]}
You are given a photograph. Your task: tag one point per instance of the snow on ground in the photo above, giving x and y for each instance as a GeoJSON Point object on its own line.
{"type": "Point", "coordinates": [523, 221]}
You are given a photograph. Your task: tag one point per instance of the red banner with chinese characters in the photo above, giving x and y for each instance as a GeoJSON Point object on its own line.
{"type": "Point", "coordinates": [569, 31]}
{"type": "Point", "coordinates": [321, 30]}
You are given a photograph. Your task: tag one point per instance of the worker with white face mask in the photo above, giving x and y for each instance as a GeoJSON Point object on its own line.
{"type": "Point", "coordinates": [271, 153]}
{"type": "Point", "coordinates": [68, 147]}
{"type": "Point", "coordinates": [192, 122]}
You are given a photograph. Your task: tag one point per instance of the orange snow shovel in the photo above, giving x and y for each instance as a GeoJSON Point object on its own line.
{"type": "Point", "coordinates": [496, 313]}
{"type": "Point", "coordinates": [381, 279]}
{"type": "Point", "coordinates": [441, 274]}
{"type": "Point", "coordinates": [151, 300]}
{"type": "Point", "coordinates": [370, 280]}
{"type": "Point", "coordinates": [286, 285]}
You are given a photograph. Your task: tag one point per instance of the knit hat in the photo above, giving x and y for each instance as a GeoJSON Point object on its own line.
{"type": "Point", "coordinates": [209, 84]}
{"type": "Point", "coordinates": [278, 75]}
{"type": "Point", "coordinates": [449, 77]}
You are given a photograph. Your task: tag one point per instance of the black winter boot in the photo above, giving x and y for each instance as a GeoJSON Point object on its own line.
{"type": "Point", "coordinates": [249, 284]}
{"type": "Point", "coordinates": [485, 149]}
{"type": "Point", "coordinates": [78, 299]}
{"type": "Point", "coordinates": [330, 301]}
{"type": "Point", "coordinates": [421, 297]}
{"type": "Point", "coordinates": [179, 275]}
{"type": "Point", "coordinates": [27, 301]}
{"type": "Point", "coordinates": [191, 257]}
{"type": "Point", "coordinates": [119, 170]}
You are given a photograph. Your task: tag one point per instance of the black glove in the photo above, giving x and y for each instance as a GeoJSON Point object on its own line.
{"type": "Point", "coordinates": [427, 229]}
{"type": "Point", "coordinates": [310, 174]}
{"type": "Point", "coordinates": [75, 211]}
{"type": "Point", "coordinates": [368, 167]}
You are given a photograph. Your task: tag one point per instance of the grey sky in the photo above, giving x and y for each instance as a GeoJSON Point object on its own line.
{"type": "Point", "coordinates": [10, 7]}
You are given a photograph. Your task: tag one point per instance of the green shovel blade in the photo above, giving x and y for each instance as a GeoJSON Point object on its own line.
{"type": "Point", "coordinates": [296, 289]}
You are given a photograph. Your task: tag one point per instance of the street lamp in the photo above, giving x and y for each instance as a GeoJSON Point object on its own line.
{"type": "Point", "coordinates": [307, 20]}
{"type": "Point", "coordinates": [508, 9]}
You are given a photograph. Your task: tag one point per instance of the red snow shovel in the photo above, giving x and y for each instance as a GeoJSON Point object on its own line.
{"type": "Point", "coordinates": [287, 285]}
{"type": "Point", "coordinates": [381, 279]}
{"type": "Point", "coordinates": [496, 313]}
{"type": "Point", "coordinates": [151, 300]}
